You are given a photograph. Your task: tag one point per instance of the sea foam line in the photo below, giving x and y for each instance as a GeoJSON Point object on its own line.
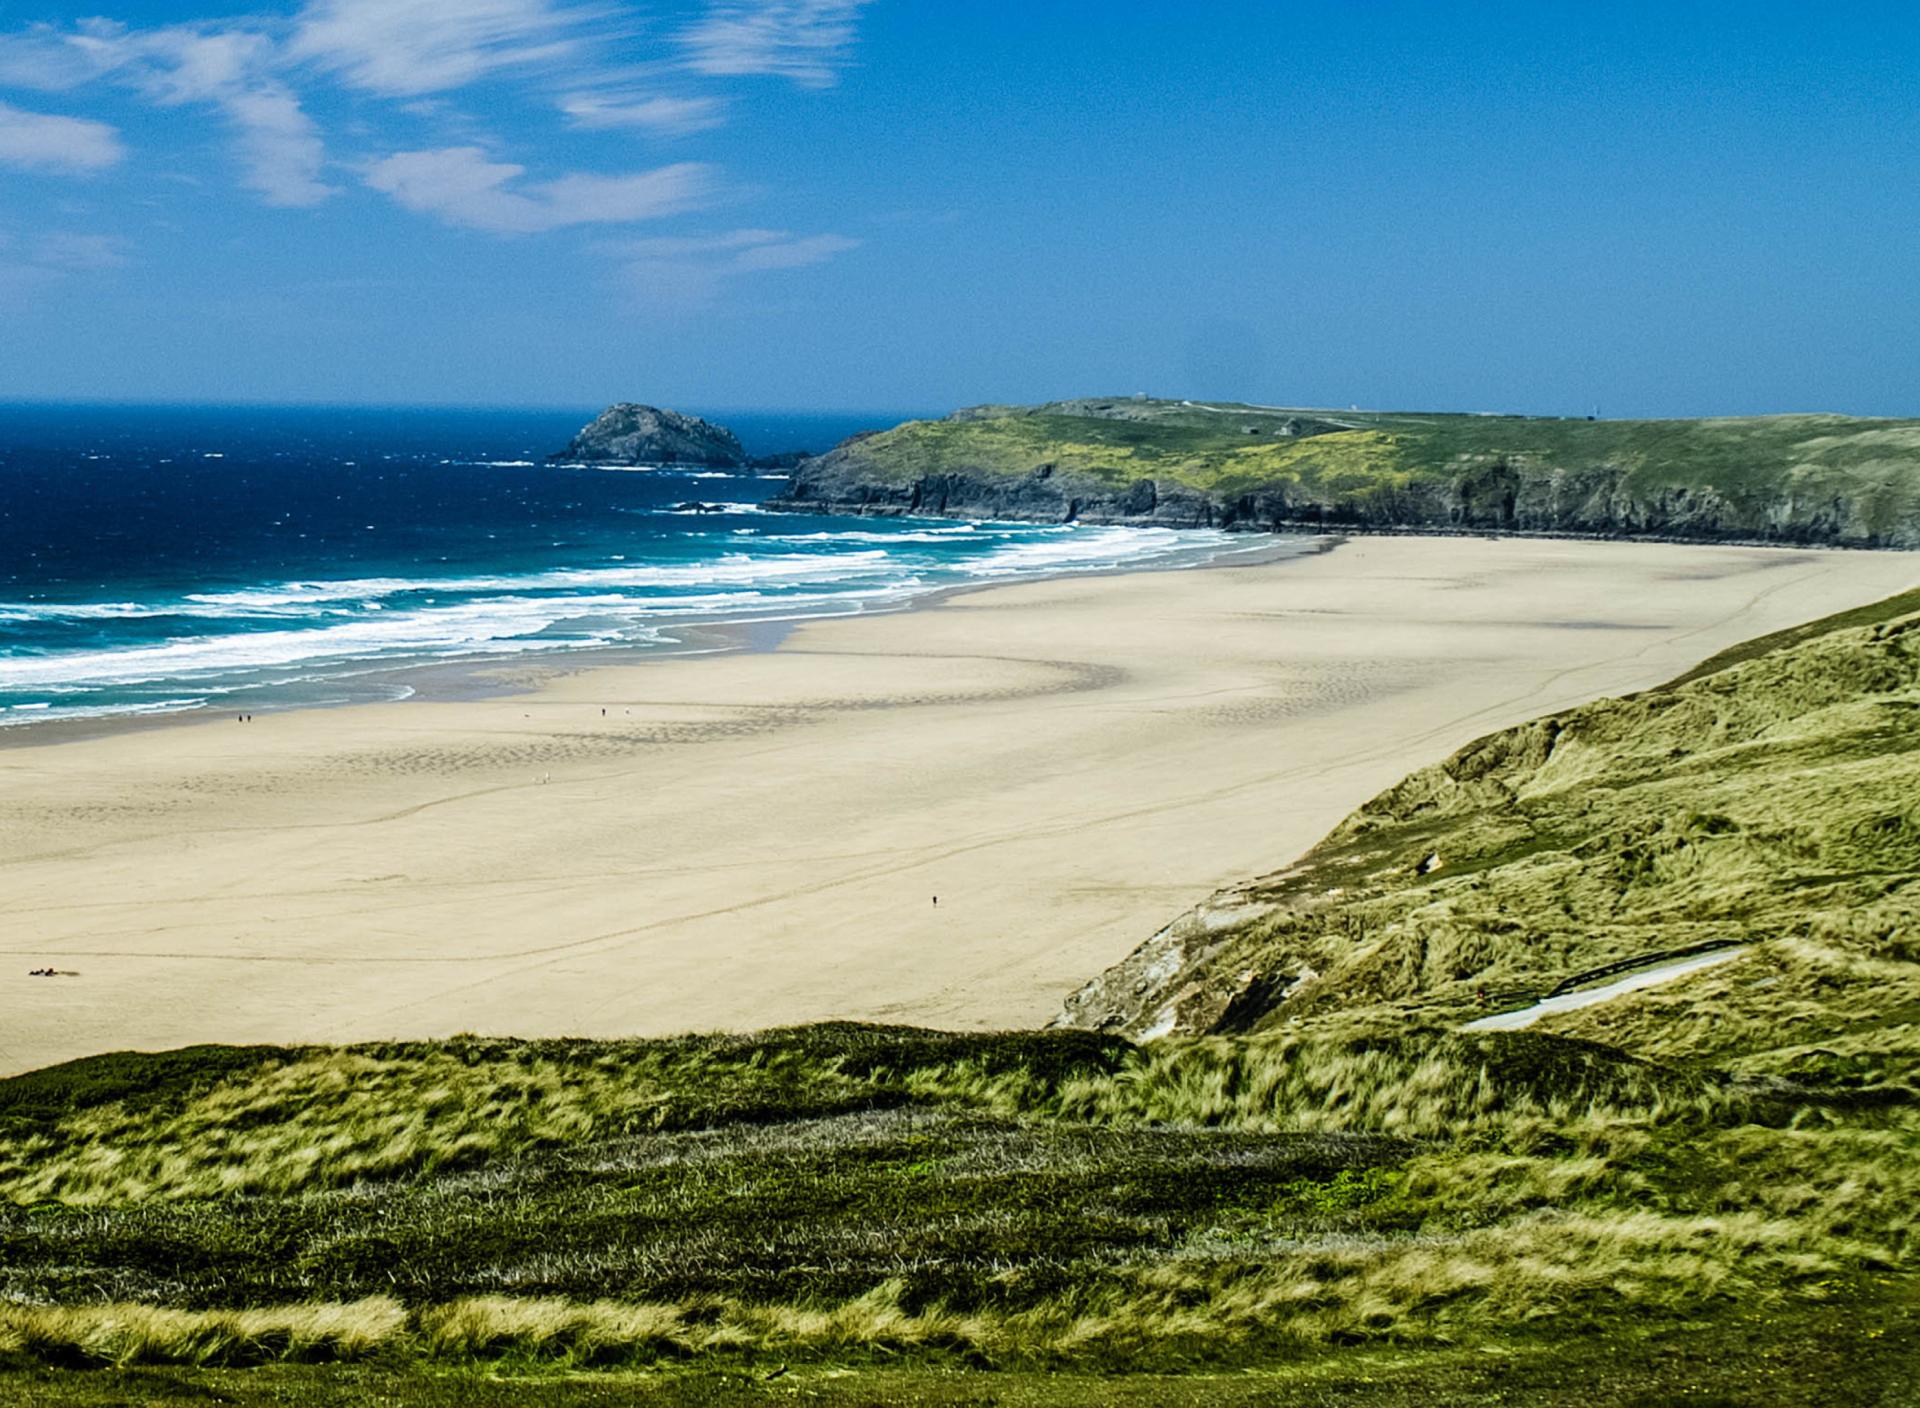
{"type": "Point", "coordinates": [363, 620]}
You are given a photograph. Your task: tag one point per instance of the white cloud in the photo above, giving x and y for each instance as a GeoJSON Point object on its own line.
{"type": "Point", "coordinates": [463, 187]}
{"type": "Point", "coordinates": [279, 146]}
{"type": "Point", "coordinates": [184, 65]}
{"type": "Point", "coordinates": [690, 273]}
{"type": "Point", "coordinates": [804, 40]}
{"type": "Point", "coordinates": [675, 247]}
{"type": "Point", "coordinates": [247, 69]}
{"type": "Point", "coordinates": [670, 116]}
{"type": "Point", "coordinates": [41, 58]}
{"type": "Point", "coordinates": [404, 48]}
{"type": "Point", "coordinates": [793, 254]}
{"type": "Point", "coordinates": [44, 142]}
{"type": "Point", "coordinates": [230, 69]}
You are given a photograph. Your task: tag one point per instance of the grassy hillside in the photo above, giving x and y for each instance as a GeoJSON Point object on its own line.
{"type": "Point", "coordinates": [1818, 478]}
{"type": "Point", "coordinates": [1766, 799]}
{"type": "Point", "coordinates": [851, 1195]}
{"type": "Point", "coordinates": [1708, 1192]}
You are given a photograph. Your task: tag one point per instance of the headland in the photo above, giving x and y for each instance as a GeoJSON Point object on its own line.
{"type": "Point", "coordinates": [1828, 480]}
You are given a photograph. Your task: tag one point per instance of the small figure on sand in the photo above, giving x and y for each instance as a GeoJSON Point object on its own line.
{"type": "Point", "coordinates": [936, 901]}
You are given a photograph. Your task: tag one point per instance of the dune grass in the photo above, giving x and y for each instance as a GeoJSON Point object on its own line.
{"type": "Point", "coordinates": [1862, 1335]}
{"type": "Point", "coordinates": [1766, 803]}
{"type": "Point", "coordinates": [1203, 1200]}
{"type": "Point", "coordinates": [146, 1334]}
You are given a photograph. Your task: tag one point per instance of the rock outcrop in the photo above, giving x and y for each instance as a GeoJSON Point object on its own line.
{"type": "Point", "coordinates": [635, 434]}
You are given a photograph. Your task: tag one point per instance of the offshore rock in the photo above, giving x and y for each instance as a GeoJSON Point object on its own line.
{"type": "Point", "coordinates": [635, 434]}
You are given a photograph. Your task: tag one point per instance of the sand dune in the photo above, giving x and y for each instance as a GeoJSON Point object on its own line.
{"type": "Point", "coordinates": [755, 839]}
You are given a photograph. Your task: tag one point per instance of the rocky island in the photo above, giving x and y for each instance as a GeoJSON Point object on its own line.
{"type": "Point", "coordinates": [633, 434]}
{"type": "Point", "coordinates": [1825, 480]}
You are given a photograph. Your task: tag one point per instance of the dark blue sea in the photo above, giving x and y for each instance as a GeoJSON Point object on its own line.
{"type": "Point", "coordinates": [156, 560]}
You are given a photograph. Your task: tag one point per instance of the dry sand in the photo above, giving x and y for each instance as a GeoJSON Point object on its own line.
{"type": "Point", "coordinates": [756, 839]}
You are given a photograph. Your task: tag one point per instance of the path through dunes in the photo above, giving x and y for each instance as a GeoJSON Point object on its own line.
{"type": "Point", "coordinates": [1524, 1017]}
{"type": "Point", "coordinates": [756, 839]}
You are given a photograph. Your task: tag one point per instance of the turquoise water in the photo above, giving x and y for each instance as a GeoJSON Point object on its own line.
{"type": "Point", "coordinates": [162, 560]}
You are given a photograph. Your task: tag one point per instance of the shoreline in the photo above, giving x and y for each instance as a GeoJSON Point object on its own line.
{"type": "Point", "coordinates": [1340, 529]}
{"type": "Point", "coordinates": [749, 838]}
{"type": "Point", "coordinates": [506, 673]}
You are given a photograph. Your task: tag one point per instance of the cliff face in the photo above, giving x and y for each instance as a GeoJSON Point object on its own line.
{"type": "Point", "coordinates": [1802, 480]}
{"type": "Point", "coordinates": [845, 481]}
{"type": "Point", "coordinates": [634, 434]}
{"type": "Point", "coordinates": [1510, 496]}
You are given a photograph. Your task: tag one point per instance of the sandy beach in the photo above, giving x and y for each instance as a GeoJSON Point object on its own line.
{"type": "Point", "coordinates": [758, 838]}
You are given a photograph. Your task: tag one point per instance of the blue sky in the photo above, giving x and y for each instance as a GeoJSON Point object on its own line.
{"type": "Point", "coordinates": [884, 205]}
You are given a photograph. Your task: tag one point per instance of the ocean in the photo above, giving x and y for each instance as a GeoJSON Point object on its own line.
{"type": "Point", "coordinates": [161, 560]}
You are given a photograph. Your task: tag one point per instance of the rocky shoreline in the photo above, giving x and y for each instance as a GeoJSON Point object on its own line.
{"type": "Point", "coordinates": [1524, 500]}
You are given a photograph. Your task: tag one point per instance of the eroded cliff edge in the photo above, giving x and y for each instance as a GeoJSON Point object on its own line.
{"type": "Point", "coordinates": [1801, 479]}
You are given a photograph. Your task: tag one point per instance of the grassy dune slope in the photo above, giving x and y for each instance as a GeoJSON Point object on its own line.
{"type": "Point", "coordinates": [1766, 799]}
{"type": "Point", "coordinates": [1822, 478]}
{"type": "Point", "coordinates": [1336, 1189]}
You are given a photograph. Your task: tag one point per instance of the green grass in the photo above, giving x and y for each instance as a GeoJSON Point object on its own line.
{"type": "Point", "coordinates": [1204, 1202]}
{"type": "Point", "coordinates": [1873, 614]}
{"type": "Point", "coordinates": [1859, 1344]}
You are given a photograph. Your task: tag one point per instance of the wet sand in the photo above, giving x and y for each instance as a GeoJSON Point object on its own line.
{"type": "Point", "coordinates": [756, 839]}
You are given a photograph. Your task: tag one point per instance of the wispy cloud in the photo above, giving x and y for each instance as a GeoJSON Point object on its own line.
{"type": "Point", "coordinates": [63, 250]}
{"type": "Point", "coordinates": [252, 70]}
{"type": "Point", "coordinates": [804, 40]}
{"type": "Point", "coordinates": [45, 142]}
{"type": "Point", "coordinates": [668, 116]}
{"type": "Point", "coordinates": [230, 69]}
{"type": "Point", "coordinates": [690, 273]}
{"type": "Point", "coordinates": [36, 265]}
{"type": "Point", "coordinates": [404, 48]}
{"type": "Point", "coordinates": [279, 146]}
{"type": "Point", "coordinates": [462, 186]}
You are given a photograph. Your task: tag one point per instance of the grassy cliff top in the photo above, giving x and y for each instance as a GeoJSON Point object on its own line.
{"type": "Point", "coordinates": [1229, 449]}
